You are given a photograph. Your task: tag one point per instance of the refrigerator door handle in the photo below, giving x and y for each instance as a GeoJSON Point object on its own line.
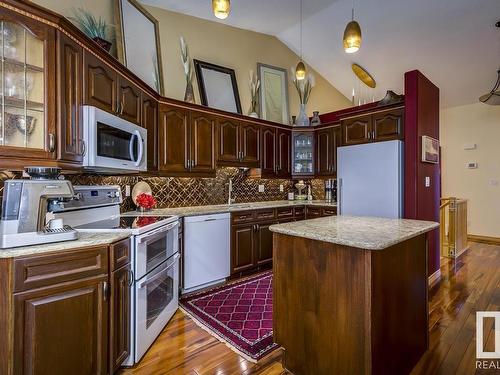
{"type": "Point", "coordinates": [339, 197]}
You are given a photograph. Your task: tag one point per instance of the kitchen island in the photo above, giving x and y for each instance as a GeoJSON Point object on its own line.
{"type": "Point", "coordinates": [350, 294]}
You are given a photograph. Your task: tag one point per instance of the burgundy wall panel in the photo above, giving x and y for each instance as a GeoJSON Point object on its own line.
{"type": "Point", "coordinates": [422, 118]}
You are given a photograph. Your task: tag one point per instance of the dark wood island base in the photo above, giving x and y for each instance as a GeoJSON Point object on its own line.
{"type": "Point", "coordinates": [346, 310]}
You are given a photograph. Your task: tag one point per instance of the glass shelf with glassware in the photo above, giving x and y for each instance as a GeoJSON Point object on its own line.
{"type": "Point", "coordinates": [303, 152]}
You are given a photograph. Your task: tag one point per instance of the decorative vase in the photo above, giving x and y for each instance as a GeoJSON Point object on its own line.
{"type": "Point", "coordinates": [315, 119]}
{"type": "Point", "coordinates": [143, 209]}
{"type": "Point", "coordinates": [103, 43]}
{"type": "Point", "coordinates": [302, 118]}
{"type": "Point", "coordinates": [189, 95]}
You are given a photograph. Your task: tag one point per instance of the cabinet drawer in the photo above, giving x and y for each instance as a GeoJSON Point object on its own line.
{"type": "Point", "coordinates": [299, 212]}
{"type": "Point", "coordinates": [265, 214]}
{"type": "Point", "coordinates": [243, 216]}
{"type": "Point", "coordinates": [329, 211]}
{"type": "Point", "coordinates": [41, 270]}
{"type": "Point", "coordinates": [284, 213]}
{"type": "Point", "coordinates": [119, 254]}
{"type": "Point", "coordinates": [312, 212]}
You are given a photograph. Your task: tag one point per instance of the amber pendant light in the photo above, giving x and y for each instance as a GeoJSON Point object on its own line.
{"type": "Point", "coordinates": [221, 8]}
{"type": "Point", "coordinates": [300, 70]}
{"type": "Point", "coordinates": [352, 35]}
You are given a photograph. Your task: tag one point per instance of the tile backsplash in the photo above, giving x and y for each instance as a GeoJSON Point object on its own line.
{"type": "Point", "coordinates": [182, 192]}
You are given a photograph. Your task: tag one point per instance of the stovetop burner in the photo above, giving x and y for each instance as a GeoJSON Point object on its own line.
{"type": "Point", "coordinates": [124, 222]}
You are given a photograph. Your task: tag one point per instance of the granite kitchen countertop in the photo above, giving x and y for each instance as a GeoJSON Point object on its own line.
{"type": "Point", "coordinates": [369, 233]}
{"type": "Point", "coordinates": [84, 240]}
{"type": "Point", "coordinates": [223, 208]}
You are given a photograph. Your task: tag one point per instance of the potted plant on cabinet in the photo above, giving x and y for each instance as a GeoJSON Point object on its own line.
{"type": "Point", "coordinates": [94, 28]}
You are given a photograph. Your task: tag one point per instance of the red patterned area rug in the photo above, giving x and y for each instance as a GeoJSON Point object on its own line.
{"type": "Point", "coordinates": [239, 314]}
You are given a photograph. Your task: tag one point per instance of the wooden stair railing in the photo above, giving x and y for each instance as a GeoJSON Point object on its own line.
{"type": "Point", "coordinates": [453, 229]}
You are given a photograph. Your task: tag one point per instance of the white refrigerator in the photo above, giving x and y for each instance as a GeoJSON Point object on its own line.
{"type": "Point", "coordinates": [370, 179]}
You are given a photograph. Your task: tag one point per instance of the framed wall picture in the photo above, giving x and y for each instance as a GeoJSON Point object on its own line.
{"type": "Point", "coordinates": [218, 87]}
{"type": "Point", "coordinates": [138, 42]}
{"type": "Point", "coordinates": [273, 101]}
{"type": "Point", "coordinates": [430, 150]}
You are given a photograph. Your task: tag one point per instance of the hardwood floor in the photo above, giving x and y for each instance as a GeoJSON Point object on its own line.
{"type": "Point", "coordinates": [469, 285]}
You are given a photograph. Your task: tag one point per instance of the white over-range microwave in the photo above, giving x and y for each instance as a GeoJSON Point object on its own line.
{"type": "Point", "coordinates": [112, 143]}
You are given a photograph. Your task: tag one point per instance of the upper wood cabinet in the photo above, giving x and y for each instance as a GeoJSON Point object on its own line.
{"type": "Point", "coordinates": [327, 142]}
{"type": "Point", "coordinates": [268, 152]}
{"type": "Point", "coordinates": [174, 141]}
{"type": "Point", "coordinates": [187, 143]}
{"type": "Point", "coordinates": [228, 138]}
{"type": "Point", "coordinates": [129, 101]}
{"type": "Point", "coordinates": [101, 83]}
{"type": "Point", "coordinates": [283, 154]}
{"type": "Point", "coordinates": [149, 120]}
{"type": "Point", "coordinates": [238, 143]}
{"type": "Point", "coordinates": [381, 126]}
{"type": "Point", "coordinates": [28, 95]}
{"type": "Point", "coordinates": [250, 144]}
{"type": "Point", "coordinates": [71, 145]}
{"type": "Point", "coordinates": [388, 125]}
{"type": "Point", "coordinates": [303, 153]}
{"type": "Point", "coordinates": [109, 91]}
{"type": "Point", "coordinates": [357, 130]}
{"type": "Point", "coordinates": [202, 139]}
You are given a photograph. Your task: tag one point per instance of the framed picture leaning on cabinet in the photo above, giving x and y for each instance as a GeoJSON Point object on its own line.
{"type": "Point", "coordinates": [218, 87]}
{"type": "Point", "coordinates": [138, 42]}
{"type": "Point", "coordinates": [273, 101]}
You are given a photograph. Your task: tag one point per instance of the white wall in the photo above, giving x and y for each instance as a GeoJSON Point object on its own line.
{"type": "Point", "coordinates": [475, 123]}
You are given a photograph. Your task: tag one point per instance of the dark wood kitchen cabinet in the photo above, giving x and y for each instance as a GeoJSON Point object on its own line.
{"type": "Point", "coordinates": [173, 140]}
{"type": "Point", "coordinates": [268, 152]}
{"type": "Point", "coordinates": [388, 125]}
{"type": "Point", "coordinates": [129, 101]}
{"type": "Point", "coordinates": [149, 120]}
{"type": "Point", "coordinates": [71, 145]}
{"type": "Point", "coordinates": [357, 130]}
{"type": "Point", "coordinates": [327, 142]}
{"type": "Point", "coordinates": [228, 134]}
{"type": "Point", "coordinates": [202, 139]}
{"type": "Point", "coordinates": [68, 311]}
{"type": "Point", "coordinates": [187, 143]}
{"type": "Point", "coordinates": [238, 143]}
{"type": "Point", "coordinates": [264, 244]}
{"type": "Point", "coordinates": [381, 126]}
{"type": "Point", "coordinates": [283, 154]}
{"type": "Point", "coordinates": [250, 144]}
{"type": "Point", "coordinates": [100, 84]}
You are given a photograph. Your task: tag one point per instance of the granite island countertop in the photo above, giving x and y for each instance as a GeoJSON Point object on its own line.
{"type": "Point", "coordinates": [224, 208]}
{"type": "Point", "coordinates": [84, 240]}
{"type": "Point", "coordinates": [369, 233]}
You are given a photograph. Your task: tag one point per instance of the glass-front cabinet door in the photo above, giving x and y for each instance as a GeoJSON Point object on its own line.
{"type": "Point", "coordinates": [27, 77]}
{"type": "Point", "coordinates": [303, 153]}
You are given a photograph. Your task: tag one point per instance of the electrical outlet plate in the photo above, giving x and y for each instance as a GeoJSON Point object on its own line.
{"type": "Point", "coordinates": [261, 188]}
{"type": "Point", "coordinates": [472, 165]}
{"type": "Point", "coordinates": [127, 190]}
{"type": "Point", "coordinates": [427, 181]}
{"type": "Point", "coordinates": [282, 189]}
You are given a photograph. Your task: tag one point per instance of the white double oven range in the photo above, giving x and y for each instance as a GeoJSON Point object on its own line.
{"type": "Point", "coordinates": [155, 258]}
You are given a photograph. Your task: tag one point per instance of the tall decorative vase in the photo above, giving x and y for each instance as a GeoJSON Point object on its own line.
{"type": "Point", "coordinates": [189, 95]}
{"type": "Point", "coordinates": [302, 118]}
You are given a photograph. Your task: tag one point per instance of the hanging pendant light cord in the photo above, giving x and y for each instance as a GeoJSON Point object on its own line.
{"type": "Point", "coordinates": [352, 14]}
{"type": "Point", "coordinates": [301, 29]}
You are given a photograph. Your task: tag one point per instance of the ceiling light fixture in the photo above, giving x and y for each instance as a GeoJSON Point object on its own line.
{"type": "Point", "coordinates": [300, 70]}
{"type": "Point", "coordinates": [221, 8]}
{"type": "Point", "coordinates": [493, 97]}
{"type": "Point", "coordinates": [352, 35]}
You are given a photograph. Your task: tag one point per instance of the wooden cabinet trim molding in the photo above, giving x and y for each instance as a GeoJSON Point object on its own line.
{"type": "Point", "coordinates": [369, 113]}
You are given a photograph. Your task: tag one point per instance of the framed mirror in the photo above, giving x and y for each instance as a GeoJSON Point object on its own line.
{"type": "Point", "coordinates": [138, 42]}
{"type": "Point", "coordinates": [273, 101]}
{"type": "Point", "coordinates": [218, 87]}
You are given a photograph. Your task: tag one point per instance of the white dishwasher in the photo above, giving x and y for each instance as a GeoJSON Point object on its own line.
{"type": "Point", "coordinates": [206, 250]}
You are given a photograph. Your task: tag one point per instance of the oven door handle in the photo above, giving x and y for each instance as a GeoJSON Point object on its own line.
{"type": "Point", "coordinates": [153, 235]}
{"type": "Point", "coordinates": [150, 279]}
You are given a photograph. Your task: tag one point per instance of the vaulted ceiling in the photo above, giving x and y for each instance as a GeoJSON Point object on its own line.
{"type": "Point", "coordinates": [453, 42]}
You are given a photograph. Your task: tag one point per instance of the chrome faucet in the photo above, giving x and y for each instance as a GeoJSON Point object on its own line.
{"type": "Point", "coordinates": [230, 200]}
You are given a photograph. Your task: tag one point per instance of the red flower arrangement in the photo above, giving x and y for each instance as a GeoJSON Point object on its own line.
{"type": "Point", "coordinates": [145, 200]}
